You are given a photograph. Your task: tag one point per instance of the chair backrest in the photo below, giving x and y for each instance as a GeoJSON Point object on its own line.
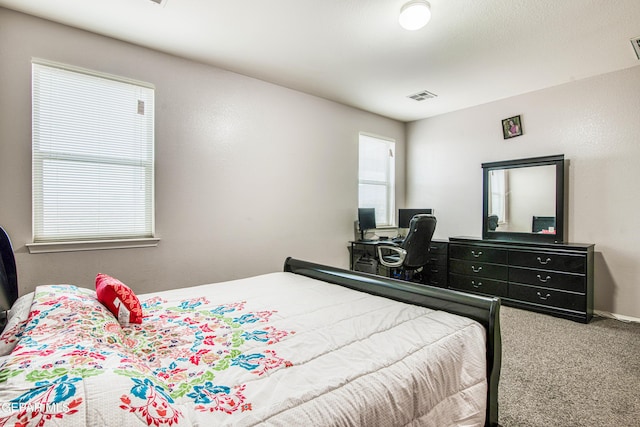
{"type": "Point", "coordinates": [8, 277]}
{"type": "Point", "coordinates": [493, 222]}
{"type": "Point", "coordinates": [418, 240]}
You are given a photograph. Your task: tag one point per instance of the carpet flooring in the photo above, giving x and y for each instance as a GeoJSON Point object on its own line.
{"type": "Point", "coordinates": [556, 372]}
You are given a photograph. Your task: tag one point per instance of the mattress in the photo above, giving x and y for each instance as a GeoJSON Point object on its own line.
{"type": "Point", "coordinates": [278, 350]}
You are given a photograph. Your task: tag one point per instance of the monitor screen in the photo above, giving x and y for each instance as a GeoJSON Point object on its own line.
{"type": "Point", "coordinates": [366, 218]}
{"type": "Point", "coordinates": [405, 215]}
{"type": "Point", "coordinates": [544, 224]}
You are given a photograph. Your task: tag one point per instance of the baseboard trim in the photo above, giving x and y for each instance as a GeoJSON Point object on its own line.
{"type": "Point", "coordinates": [616, 316]}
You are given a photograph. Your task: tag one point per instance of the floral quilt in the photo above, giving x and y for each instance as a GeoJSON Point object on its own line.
{"type": "Point", "coordinates": [210, 357]}
{"type": "Point", "coordinates": [175, 354]}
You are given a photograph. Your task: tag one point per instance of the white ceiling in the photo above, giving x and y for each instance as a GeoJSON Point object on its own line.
{"type": "Point", "coordinates": [354, 51]}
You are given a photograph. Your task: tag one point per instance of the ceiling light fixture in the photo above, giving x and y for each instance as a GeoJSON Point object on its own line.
{"type": "Point", "coordinates": [415, 14]}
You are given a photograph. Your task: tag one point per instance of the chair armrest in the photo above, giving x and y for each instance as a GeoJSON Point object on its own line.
{"type": "Point", "coordinates": [397, 249]}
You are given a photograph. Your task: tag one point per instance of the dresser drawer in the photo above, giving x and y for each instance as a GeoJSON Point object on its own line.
{"type": "Point", "coordinates": [549, 261]}
{"type": "Point", "coordinates": [439, 248]}
{"type": "Point", "coordinates": [437, 259]}
{"type": "Point", "coordinates": [548, 297]}
{"type": "Point", "coordinates": [474, 284]}
{"type": "Point", "coordinates": [548, 279]}
{"type": "Point", "coordinates": [479, 269]}
{"type": "Point", "coordinates": [436, 276]}
{"type": "Point", "coordinates": [478, 253]}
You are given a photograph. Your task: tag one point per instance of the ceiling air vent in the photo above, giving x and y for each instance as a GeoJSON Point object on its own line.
{"type": "Point", "coordinates": [421, 96]}
{"type": "Point", "coordinates": [636, 46]}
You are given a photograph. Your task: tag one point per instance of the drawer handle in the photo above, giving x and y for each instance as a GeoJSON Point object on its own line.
{"type": "Point", "coordinates": [545, 297]}
{"type": "Point", "coordinates": [476, 270]}
{"type": "Point", "coordinates": [476, 255]}
{"type": "Point", "coordinates": [545, 262]}
{"type": "Point", "coordinates": [473, 283]}
{"type": "Point", "coordinates": [545, 280]}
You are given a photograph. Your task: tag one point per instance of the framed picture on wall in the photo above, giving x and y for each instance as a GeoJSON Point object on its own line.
{"type": "Point", "coordinates": [511, 127]}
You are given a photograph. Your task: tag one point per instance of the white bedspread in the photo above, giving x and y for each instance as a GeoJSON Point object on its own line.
{"type": "Point", "coordinates": [276, 350]}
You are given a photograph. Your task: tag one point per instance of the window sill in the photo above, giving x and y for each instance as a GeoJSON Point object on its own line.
{"type": "Point", "coordinates": [91, 245]}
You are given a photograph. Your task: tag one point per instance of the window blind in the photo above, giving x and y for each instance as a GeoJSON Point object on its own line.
{"type": "Point", "coordinates": [93, 155]}
{"type": "Point", "coordinates": [376, 174]}
{"type": "Point", "coordinates": [498, 198]}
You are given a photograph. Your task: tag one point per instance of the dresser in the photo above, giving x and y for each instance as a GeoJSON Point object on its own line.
{"type": "Point", "coordinates": [551, 278]}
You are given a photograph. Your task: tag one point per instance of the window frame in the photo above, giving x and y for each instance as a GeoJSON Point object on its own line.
{"type": "Point", "coordinates": [499, 188]}
{"type": "Point", "coordinates": [147, 238]}
{"type": "Point", "coordinates": [389, 181]}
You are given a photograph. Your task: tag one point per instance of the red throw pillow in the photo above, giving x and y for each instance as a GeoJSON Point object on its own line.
{"type": "Point", "coordinates": [119, 299]}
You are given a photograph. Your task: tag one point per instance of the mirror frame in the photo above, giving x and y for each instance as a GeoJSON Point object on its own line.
{"type": "Point", "coordinates": [558, 161]}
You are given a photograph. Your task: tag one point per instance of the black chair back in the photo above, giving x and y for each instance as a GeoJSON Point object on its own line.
{"type": "Point", "coordinates": [418, 240]}
{"type": "Point", "coordinates": [8, 276]}
{"type": "Point", "coordinates": [493, 222]}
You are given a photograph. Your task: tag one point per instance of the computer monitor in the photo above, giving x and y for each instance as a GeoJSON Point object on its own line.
{"type": "Point", "coordinates": [543, 224]}
{"type": "Point", "coordinates": [366, 220]}
{"type": "Point", "coordinates": [405, 215]}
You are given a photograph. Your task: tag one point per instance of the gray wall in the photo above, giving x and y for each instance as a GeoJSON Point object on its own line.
{"type": "Point", "coordinates": [594, 123]}
{"type": "Point", "coordinates": [247, 172]}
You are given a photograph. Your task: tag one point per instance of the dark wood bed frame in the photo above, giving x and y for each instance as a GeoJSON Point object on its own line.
{"type": "Point", "coordinates": [484, 310]}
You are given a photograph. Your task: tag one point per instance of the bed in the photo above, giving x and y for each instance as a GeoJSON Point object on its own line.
{"type": "Point", "coordinates": [310, 345]}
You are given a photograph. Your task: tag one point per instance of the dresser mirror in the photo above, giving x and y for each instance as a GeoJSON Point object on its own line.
{"type": "Point", "coordinates": [523, 200]}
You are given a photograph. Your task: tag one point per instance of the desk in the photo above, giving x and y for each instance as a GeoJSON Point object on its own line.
{"type": "Point", "coordinates": [364, 257]}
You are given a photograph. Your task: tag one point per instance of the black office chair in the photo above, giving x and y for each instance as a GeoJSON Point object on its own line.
{"type": "Point", "coordinates": [493, 222]}
{"type": "Point", "coordinates": [407, 259]}
{"type": "Point", "coordinates": [8, 277]}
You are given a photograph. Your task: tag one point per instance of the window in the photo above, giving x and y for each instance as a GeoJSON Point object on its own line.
{"type": "Point", "coordinates": [376, 177]}
{"type": "Point", "coordinates": [498, 183]}
{"type": "Point", "coordinates": [93, 155]}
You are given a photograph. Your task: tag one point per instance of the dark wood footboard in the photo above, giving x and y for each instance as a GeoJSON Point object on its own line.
{"type": "Point", "coordinates": [484, 310]}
